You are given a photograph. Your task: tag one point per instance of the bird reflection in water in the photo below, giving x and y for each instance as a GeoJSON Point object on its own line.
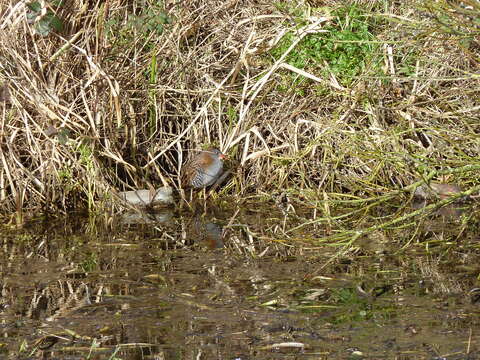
{"type": "Point", "coordinates": [207, 232]}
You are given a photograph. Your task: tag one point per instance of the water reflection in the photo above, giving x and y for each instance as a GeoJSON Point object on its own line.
{"type": "Point", "coordinates": [199, 227]}
{"type": "Point", "coordinates": [219, 284]}
{"type": "Point", "coordinates": [133, 217]}
{"type": "Point", "coordinates": [207, 231]}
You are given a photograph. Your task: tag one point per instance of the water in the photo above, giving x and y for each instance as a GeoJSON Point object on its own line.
{"type": "Point", "coordinates": [235, 284]}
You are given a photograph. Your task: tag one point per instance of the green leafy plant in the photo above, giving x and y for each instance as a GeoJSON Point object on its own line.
{"type": "Point", "coordinates": [347, 49]}
{"type": "Point", "coordinates": [150, 20]}
{"type": "Point", "coordinates": [44, 21]}
{"type": "Point", "coordinates": [143, 28]}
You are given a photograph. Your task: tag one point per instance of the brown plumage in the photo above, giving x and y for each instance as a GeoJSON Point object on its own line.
{"type": "Point", "coordinates": [203, 169]}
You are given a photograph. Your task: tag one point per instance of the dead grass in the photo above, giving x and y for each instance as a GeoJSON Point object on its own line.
{"type": "Point", "coordinates": [111, 103]}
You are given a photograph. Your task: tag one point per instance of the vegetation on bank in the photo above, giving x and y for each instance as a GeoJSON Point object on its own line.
{"type": "Point", "coordinates": [323, 101]}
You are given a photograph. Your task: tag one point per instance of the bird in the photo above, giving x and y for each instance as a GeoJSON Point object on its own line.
{"type": "Point", "coordinates": [203, 169]}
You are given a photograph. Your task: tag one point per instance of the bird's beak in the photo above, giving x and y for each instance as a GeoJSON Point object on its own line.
{"type": "Point", "coordinates": [223, 157]}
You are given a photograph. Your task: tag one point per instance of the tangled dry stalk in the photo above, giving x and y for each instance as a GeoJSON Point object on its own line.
{"type": "Point", "coordinates": [112, 102]}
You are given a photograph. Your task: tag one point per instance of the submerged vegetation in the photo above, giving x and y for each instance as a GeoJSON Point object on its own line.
{"type": "Point", "coordinates": [329, 103]}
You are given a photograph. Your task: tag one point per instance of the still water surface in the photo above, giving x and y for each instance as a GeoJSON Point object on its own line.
{"type": "Point", "coordinates": [236, 285]}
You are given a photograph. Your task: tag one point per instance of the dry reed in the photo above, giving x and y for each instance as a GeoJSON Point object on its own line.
{"type": "Point", "coordinates": [112, 102]}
